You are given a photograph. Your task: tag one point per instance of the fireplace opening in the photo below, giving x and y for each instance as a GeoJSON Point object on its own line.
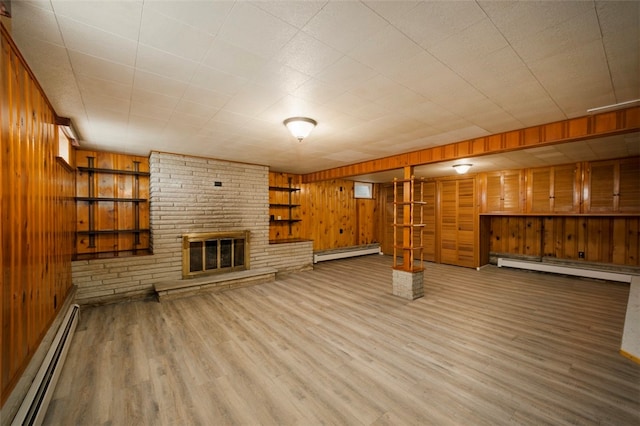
{"type": "Point", "coordinates": [214, 252]}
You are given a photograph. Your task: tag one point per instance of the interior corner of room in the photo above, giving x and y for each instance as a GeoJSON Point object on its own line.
{"type": "Point", "coordinates": [142, 184]}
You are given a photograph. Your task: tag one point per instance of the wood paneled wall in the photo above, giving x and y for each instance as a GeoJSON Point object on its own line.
{"type": "Point", "coordinates": [329, 213]}
{"type": "Point", "coordinates": [112, 228]}
{"type": "Point", "coordinates": [333, 218]}
{"type": "Point", "coordinates": [614, 240]}
{"type": "Point", "coordinates": [37, 226]}
{"type": "Point", "coordinates": [580, 128]}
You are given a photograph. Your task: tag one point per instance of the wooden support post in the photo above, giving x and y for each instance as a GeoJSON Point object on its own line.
{"type": "Point", "coordinates": [407, 218]}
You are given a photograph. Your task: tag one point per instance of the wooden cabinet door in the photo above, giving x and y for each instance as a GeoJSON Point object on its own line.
{"type": "Point", "coordinates": [503, 192]}
{"type": "Point", "coordinates": [613, 186]}
{"type": "Point", "coordinates": [565, 189]}
{"type": "Point", "coordinates": [539, 190]}
{"type": "Point", "coordinates": [629, 186]}
{"type": "Point", "coordinates": [599, 193]}
{"type": "Point", "coordinates": [554, 189]}
{"type": "Point", "coordinates": [458, 222]}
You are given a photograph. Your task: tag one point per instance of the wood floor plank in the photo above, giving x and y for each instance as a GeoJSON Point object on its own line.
{"type": "Point", "coordinates": [333, 346]}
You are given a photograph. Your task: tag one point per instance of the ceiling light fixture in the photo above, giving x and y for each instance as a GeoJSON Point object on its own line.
{"type": "Point", "coordinates": [300, 127]}
{"type": "Point", "coordinates": [614, 106]}
{"type": "Point", "coordinates": [462, 168]}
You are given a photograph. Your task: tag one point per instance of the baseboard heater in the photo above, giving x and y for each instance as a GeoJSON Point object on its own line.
{"type": "Point", "coordinates": [567, 270]}
{"type": "Point", "coordinates": [35, 404]}
{"type": "Point", "coordinates": [346, 252]}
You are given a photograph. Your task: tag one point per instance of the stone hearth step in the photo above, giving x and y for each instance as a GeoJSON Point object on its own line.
{"type": "Point", "coordinates": [213, 283]}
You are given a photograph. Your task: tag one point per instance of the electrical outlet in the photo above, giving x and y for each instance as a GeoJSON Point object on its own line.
{"type": "Point", "coordinates": [581, 255]}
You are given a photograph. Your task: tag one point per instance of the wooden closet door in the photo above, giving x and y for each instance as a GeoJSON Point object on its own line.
{"type": "Point", "coordinates": [448, 191]}
{"type": "Point", "coordinates": [602, 187]}
{"type": "Point", "coordinates": [429, 220]}
{"type": "Point", "coordinates": [458, 228]}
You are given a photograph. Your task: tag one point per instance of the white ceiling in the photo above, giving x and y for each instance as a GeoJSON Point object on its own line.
{"type": "Point", "coordinates": [217, 78]}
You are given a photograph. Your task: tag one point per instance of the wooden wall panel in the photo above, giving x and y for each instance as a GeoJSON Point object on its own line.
{"type": "Point", "coordinates": [613, 240]}
{"type": "Point", "coordinates": [37, 217]}
{"type": "Point", "coordinates": [581, 128]}
{"type": "Point", "coordinates": [332, 212]}
{"type": "Point", "coordinates": [111, 215]}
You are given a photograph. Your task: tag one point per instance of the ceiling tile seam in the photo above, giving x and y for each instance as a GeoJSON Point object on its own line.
{"type": "Point", "coordinates": [607, 61]}
{"type": "Point", "coordinates": [75, 75]}
{"type": "Point", "coordinates": [447, 66]}
{"type": "Point", "coordinates": [200, 62]}
{"type": "Point", "coordinates": [135, 69]}
{"type": "Point", "coordinates": [515, 51]}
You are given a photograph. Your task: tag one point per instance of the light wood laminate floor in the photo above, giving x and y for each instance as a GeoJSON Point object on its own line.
{"type": "Point", "coordinates": [333, 346]}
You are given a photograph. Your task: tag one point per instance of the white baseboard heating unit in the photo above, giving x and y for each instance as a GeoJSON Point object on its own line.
{"type": "Point", "coordinates": [346, 252]}
{"type": "Point", "coordinates": [567, 270]}
{"type": "Point", "coordinates": [34, 406]}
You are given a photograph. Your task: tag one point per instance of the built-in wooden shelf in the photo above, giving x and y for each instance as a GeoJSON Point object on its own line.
{"type": "Point", "coordinates": [123, 200]}
{"type": "Point", "coordinates": [113, 231]}
{"type": "Point", "coordinates": [113, 172]}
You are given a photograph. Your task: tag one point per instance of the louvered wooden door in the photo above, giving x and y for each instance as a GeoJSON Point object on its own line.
{"type": "Point", "coordinates": [503, 192]}
{"type": "Point", "coordinates": [554, 189]}
{"type": "Point", "coordinates": [613, 186]}
{"type": "Point", "coordinates": [458, 222]}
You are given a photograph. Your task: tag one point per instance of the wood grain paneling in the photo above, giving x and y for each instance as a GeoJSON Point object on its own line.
{"type": "Point", "coordinates": [554, 189]}
{"type": "Point", "coordinates": [329, 213]}
{"type": "Point", "coordinates": [612, 186]}
{"type": "Point", "coordinates": [111, 228]}
{"type": "Point", "coordinates": [580, 128]}
{"type": "Point", "coordinates": [602, 239]}
{"type": "Point", "coordinates": [37, 226]}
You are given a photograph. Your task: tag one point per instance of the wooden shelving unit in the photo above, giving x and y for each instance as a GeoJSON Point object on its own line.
{"type": "Point", "coordinates": [288, 207]}
{"type": "Point", "coordinates": [408, 225]}
{"type": "Point", "coordinates": [96, 192]}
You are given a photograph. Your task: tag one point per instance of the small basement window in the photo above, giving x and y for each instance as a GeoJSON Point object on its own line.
{"type": "Point", "coordinates": [363, 190]}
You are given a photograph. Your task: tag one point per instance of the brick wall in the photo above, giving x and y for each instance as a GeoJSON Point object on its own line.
{"type": "Point", "coordinates": [185, 199]}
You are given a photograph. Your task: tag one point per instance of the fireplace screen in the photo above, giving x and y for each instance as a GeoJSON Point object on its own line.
{"type": "Point", "coordinates": [214, 252]}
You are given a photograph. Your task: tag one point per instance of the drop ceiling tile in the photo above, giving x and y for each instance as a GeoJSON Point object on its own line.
{"type": "Point", "coordinates": [344, 25]}
{"type": "Point", "coordinates": [115, 17]}
{"type": "Point", "coordinates": [206, 16]}
{"type": "Point", "coordinates": [88, 40]}
{"type": "Point", "coordinates": [296, 13]}
{"type": "Point", "coordinates": [346, 73]}
{"type": "Point", "coordinates": [96, 104]}
{"type": "Point", "coordinates": [191, 108]}
{"type": "Point", "coordinates": [431, 22]}
{"type": "Point", "coordinates": [385, 49]}
{"type": "Point", "coordinates": [184, 41]}
{"type": "Point", "coordinates": [280, 76]}
{"type": "Point", "coordinates": [317, 91]}
{"type": "Point", "coordinates": [162, 63]}
{"type": "Point", "coordinates": [208, 98]}
{"type": "Point", "coordinates": [91, 66]}
{"type": "Point", "coordinates": [347, 156]}
{"type": "Point", "coordinates": [90, 86]}
{"type": "Point", "coordinates": [383, 90]}
{"type": "Point", "coordinates": [40, 20]}
{"type": "Point", "coordinates": [150, 82]}
{"type": "Point", "coordinates": [469, 45]}
{"type": "Point", "coordinates": [255, 30]}
{"type": "Point", "coordinates": [233, 60]}
{"type": "Point", "coordinates": [578, 31]}
{"type": "Point", "coordinates": [307, 55]}
{"type": "Point", "coordinates": [519, 20]}
{"type": "Point", "coordinates": [218, 81]}
{"type": "Point", "coordinates": [154, 98]}
{"type": "Point", "coordinates": [196, 121]}
{"type": "Point", "coordinates": [150, 110]}
{"type": "Point", "coordinates": [253, 99]}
